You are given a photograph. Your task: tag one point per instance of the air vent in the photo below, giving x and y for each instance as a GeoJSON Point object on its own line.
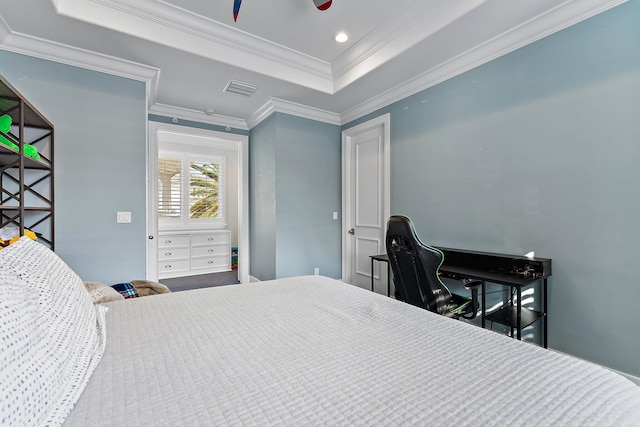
{"type": "Point", "coordinates": [240, 88]}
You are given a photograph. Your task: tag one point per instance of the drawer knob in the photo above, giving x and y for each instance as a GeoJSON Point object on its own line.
{"type": "Point", "coordinates": [167, 253]}
{"type": "Point", "coordinates": [167, 241]}
{"type": "Point", "coordinates": [210, 239]}
{"type": "Point", "coordinates": [167, 266]}
{"type": "Point", "coordinates": [210, 262]}
{"type": "Point", "coordinates": [211, 250]}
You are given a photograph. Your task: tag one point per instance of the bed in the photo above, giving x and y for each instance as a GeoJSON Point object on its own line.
{"type": "Point", "coordinates": [297, 351]}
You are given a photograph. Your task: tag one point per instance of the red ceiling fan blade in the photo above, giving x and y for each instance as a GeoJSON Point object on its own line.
{"type": "Point", "coordinates": [322, 4]}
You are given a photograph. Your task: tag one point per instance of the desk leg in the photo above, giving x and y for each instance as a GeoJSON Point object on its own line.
{"type": "Point", "coordinates": [484, 303]}
{"type": "Point", "coordinates": [519, 313]}
{"type": "Point", "coordinates": [510, 309]}
{"type": "Point", "coordinates": [371, 274]}
{"type": "Point", "coordinates": [544, 310]}
{"type": "Point", "coordinates": [389, 280]}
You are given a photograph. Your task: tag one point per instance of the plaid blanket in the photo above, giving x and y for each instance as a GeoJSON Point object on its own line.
{"type": "Point", "coordinates": [126, 289]}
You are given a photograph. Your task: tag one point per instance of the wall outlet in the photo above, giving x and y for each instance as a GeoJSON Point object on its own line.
{"type": "Point", "coordinates": [335, 215]}
{"type": "Point", "coordinates": [316, 271]}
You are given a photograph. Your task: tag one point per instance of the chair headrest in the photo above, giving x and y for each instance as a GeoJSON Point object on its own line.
{"type": "Point", "coordinates": [400, 225]}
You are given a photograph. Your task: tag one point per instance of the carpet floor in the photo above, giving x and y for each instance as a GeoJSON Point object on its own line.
{"type": "Point", "coordinates": [177, 284]}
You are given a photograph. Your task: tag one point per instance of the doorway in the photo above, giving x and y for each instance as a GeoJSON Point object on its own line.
{"type": "Point", "coordinates": [366, 203]}
{"type": "Point", "coordinates": [159, 133]}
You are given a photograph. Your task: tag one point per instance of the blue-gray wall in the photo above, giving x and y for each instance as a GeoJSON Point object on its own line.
{"type": "Point", "coordinates": [262, 199]}
{"type": "Point", "coordinates": [295, 187]}
{"type": "Point", "coordinates": [540, 150]}
{"type": "Point", "coordinates": [100, 163]}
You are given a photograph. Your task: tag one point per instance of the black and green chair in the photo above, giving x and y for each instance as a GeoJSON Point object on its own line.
{"type": "Point", "coordinates": [415, 268]}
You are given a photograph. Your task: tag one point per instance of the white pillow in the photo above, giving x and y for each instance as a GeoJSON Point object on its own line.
{"type": "Point", "coordinates": [100, 292]}
{"type": "Point", "coordinates": [51, 336]}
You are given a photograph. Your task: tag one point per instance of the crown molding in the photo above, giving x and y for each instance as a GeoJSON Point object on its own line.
{"type": "Point", "coordinates": [275, 105]}
{"type": "Point", "coordinates": [566, 14]}
{"type": "Point", "coordinates": [563, 16]}
{"type": "Point", "coordinates": [45, 49]}
{"type": "Point", "coordinates": [5, 31]}
{"type": "Point", "coordinates": [401, 31]}
{"type": "Point", "coordinates": [197, 116]}
{"type": "Point", "coordinates": [169, 25]}
{"type": "Point", "coordinates": [164, 23]}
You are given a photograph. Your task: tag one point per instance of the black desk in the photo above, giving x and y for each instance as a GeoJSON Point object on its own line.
{"type": "Point", "coordinates": [496, 268]}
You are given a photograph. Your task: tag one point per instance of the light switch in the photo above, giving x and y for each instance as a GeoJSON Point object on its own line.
{"type": "Point", "coordinates": [335, 215]}
{"type": "Point", "coordinates": [123, 217]}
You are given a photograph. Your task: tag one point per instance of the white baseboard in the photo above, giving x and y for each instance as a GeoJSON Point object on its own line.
{"type": "Point", "coordinates": [253, 279]}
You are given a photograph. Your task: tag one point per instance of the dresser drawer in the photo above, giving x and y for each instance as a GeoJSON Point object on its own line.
{"type": "Point", "coordinates": [171, 266]}
{"type": "Point", "coordinates": [202, 251]}
{"type": "Point", "coordinates": [173, 241]}
{"type": "Point", "coordinates": [169, 253]}
{"type": "Point", "coordinates": [209, 238]}
{"type": "Point", "coordinates": [218, 262]}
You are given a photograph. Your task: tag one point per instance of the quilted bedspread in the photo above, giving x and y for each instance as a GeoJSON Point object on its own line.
{"type": "Point", "coordinates": [315, 351]}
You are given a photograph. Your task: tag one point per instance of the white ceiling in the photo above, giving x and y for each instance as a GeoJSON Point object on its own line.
{"type": "Point", "coordinates": [188, 50]}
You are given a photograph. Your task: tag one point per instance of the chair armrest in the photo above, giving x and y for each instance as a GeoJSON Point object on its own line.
{"type": "Point", "coordinates": [472, 285]}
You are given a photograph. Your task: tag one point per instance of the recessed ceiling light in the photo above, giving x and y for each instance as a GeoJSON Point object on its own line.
{"type": "Point", "coordinates": [341, 37]}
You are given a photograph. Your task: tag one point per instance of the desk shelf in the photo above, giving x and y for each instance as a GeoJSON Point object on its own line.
{"type": "Point", "coordinates": [509, 316]}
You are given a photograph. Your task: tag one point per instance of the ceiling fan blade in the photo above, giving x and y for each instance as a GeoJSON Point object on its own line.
{"type": "Point", "coordinates": [322, 4]}
{"type": "Point", "coordinates": [236, 9]}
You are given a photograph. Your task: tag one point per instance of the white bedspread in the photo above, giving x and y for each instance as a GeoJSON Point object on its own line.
{"type": "Point", "coordinates": [315, 351]}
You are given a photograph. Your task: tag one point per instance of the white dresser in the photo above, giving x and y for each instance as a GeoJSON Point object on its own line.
{"type": "Point", "coordinates": [183, 253]}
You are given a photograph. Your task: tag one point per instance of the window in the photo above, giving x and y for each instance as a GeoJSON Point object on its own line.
{"type": "Point", "coordinates": [190, 190]}
{"type": "Point", "coordinates": [204, 190]}
{"type": "Point", "coordinates": [169, 188]}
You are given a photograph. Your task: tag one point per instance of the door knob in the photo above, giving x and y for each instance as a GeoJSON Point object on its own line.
{"type": "Point", "coordinates": [352, 231]}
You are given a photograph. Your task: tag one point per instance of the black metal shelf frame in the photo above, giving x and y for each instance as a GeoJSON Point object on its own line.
{"type": "Point", "coordinates": [26, 184]}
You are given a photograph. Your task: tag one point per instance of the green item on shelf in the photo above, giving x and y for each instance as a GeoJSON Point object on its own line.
{"type": "Point", "coordinates": [5, 127]}
{"type": "Point", "coordinates": [30, 151]}
{"type": "Point", "coordinates": [5, 123]}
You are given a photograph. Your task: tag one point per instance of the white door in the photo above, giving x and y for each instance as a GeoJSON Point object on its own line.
{"type": "Point", "coordinates": [366, 201]}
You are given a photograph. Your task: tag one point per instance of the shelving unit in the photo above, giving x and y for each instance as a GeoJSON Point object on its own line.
{"type": "Point", "coordinates": [26, 184]}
